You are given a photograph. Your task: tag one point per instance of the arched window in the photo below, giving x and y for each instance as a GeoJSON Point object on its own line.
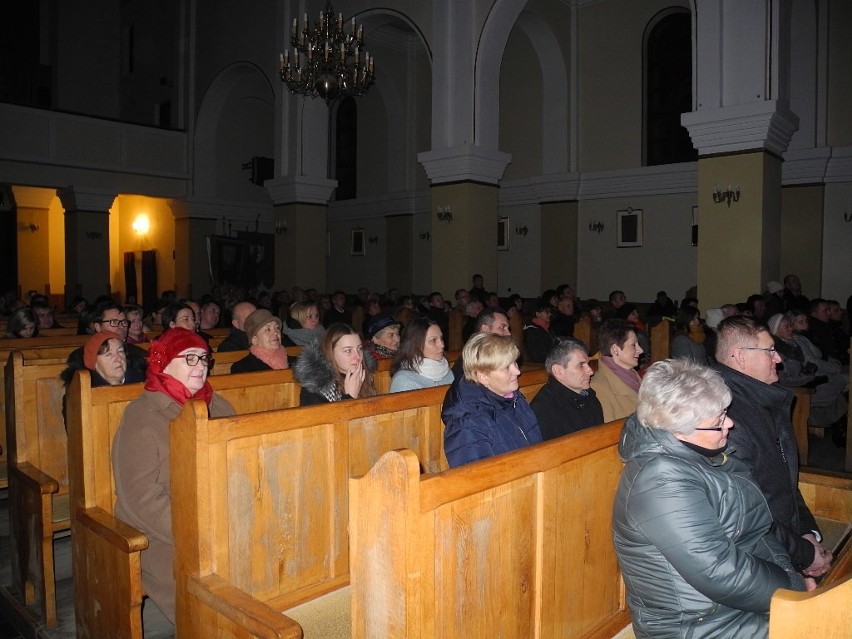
{"type": "Point", "coordinates": [668, 88]}
{"type": "Point", "coordinates": [346, 146]}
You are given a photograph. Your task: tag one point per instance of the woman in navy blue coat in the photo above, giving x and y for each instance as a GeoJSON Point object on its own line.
{"type": "Point", "coordinates": [484, 414]}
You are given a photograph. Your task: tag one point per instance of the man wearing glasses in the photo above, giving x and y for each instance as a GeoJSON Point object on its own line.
{"type": "Point", "coordinates": [764, 439]}
{"type": "Point", "coordinates": [110, 317]}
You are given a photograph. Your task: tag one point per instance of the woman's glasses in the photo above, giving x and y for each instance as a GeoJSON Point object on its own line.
{"type": "Point", "coordinates": [720, 424]}
{"type": "Point", "coordinates": [192, 359]}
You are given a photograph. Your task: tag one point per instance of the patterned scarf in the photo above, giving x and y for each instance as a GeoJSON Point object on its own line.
{"type": "Point", "coordinates": [275, 358]}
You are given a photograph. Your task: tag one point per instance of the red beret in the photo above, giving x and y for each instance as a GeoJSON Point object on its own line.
{"type": "Point", "coordinates": [169, 345]}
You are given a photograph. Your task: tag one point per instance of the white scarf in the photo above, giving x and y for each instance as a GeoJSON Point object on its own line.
{"type": "Point", "coordinates": [434, 370]}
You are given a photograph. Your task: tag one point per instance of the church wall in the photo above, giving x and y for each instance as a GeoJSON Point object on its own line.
{"type": "Point", "coordinates": [837, 243]}
{"type": "Point", "coordinates": [610, 61]}
{"type": "Point", "coordinates": [666, 260]}
{"type": "Point", "coordinates": [521, 107]}
{"type": "Point", "coordinates": [519, 268]}
{"type": "Point", "coordinates": [839, 63]}
{"type": "Point", "coordinates": [88, 52]}
{"type": "Point", "coordinates": [802, 236]}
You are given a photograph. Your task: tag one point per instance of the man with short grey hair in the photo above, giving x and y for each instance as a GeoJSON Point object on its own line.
{"type": "Point", "coordinates": [764, 439]}
{"type": "Point", "coordinates": [566, 403]}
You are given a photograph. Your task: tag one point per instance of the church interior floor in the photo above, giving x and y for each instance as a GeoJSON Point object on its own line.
{"type": "Point", "coordinates": [823, 453]}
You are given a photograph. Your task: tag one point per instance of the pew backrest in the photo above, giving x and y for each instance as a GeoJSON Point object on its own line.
{"type": "Point", "coordinates": [521, 541]}
{"type": "Point", "coordinates": [261, 500]}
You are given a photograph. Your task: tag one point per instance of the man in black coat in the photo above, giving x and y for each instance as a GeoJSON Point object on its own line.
{"type": "Point", "coordinates": [237, 340]}
{"type": "Point", "coordinates": [566, 403]}
{"type": "Point", "coordinates": [763, 436]}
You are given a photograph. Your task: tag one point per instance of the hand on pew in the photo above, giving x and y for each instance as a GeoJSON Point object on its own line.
{"type": "Point", "coordinates": [822, 558]}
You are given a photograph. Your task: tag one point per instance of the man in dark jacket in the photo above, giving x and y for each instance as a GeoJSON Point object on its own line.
{"type": "Point", "coordinates": [764, 439]}
{"type": "Point", "coordinates": [237, 339]}
{"type": "Point", "coordinates": [566, 403]}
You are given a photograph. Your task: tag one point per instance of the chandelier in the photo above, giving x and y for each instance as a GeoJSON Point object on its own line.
{"type": "Point", "coordinates": [326, 61]}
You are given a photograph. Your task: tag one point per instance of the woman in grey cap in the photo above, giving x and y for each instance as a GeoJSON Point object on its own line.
{"type": "Point", "coordinates": [382, 334]}
{"type": "Point", "coordinates": [263, 331]}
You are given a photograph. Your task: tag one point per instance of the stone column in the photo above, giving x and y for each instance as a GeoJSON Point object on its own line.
{"type": "Point", "coordinates": [301, 203]}
{"type": "Point", "coordinates": [741, 126]}
{"type": "Point", "coordinates": [192, 265]}
{"type": "Point", "coordinates": [87, 267]}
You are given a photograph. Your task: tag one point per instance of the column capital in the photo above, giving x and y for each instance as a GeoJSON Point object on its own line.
{"type": "Point", "coordinates": [303, 189]}
{"type": "Point", "coordinates": [742, 127]}
{"type": "Point", "coordinates": [76, 198]}
{"type": "Point", "coordinates": [465, 163]}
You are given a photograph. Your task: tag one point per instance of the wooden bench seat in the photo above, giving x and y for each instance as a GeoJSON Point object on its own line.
{"type": "Point", "coordinates": [260, 502]}
{"type": "Point", "coordinates": [519, 542]}
{"type": "Point", "coordinates": [103, 608]}
{"type": "Point", "coordinates": [38, 472]}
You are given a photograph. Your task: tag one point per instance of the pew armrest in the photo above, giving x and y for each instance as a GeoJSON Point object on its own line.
{"type": "Point", "coordinates": [115, 532]}
{"type": "Point", "coordinates": [257, 618]}
{"type": "Point", "coordinates": [34, 479]}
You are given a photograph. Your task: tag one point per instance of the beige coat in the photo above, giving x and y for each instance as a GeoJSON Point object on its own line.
{"type": "Point", "coordinates": [140, 463]}
{"type": "Point", "coordinates": [616, 398]}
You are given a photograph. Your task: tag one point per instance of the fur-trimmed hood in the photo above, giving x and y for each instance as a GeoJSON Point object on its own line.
{"type": "Point", "coordinates": [316, 374]}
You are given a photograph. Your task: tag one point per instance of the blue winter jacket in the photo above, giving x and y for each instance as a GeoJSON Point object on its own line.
{"type": "Point", "coordinates": [479, 423]}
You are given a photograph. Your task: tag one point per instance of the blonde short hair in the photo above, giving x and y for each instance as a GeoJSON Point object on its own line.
{"type": "Point", "coordinates": [299, 310]}
{"type": "Point", "coordinates": [486, 352]}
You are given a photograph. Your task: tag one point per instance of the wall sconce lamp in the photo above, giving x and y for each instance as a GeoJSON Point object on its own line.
{"type": "Point", "coordinates": [280, 227]}
{"type": "Point", "coordinates": [596, 227]}
{"type": "Point", "coordinates": [373, 239]}
{"type": "Point", "coordinates": [141, 224]}
{"type": "Point", "coordinates": [426, 236]}
{"type": "Point", "coordinates": [445, 214]}
{"type": "Point", "coordinates": [521, 229]}
{"type": "Point", "coordinates": [732, 194]}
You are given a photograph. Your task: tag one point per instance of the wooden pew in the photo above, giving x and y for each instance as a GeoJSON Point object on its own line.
{"type": "Point", "coordinates": [825, 613]}
{"type": "Point", "coordinates": [521, 542]}
{"type": "Point", "coordinates": [660, 336]}
{"type": "Point", "coordinates": [260, 502]}
{"type": "Point", "coordinates": [38, 481]}
{"type": "Point", "coordinates": [108, 591]}
{"type": "Point", "coordinates": [455, 336]}
{"type": "Point", "coordinates": [38, 472]}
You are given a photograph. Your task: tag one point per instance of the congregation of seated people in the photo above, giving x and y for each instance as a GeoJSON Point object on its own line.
{"type": "Point", "coordinates": [343, 337]}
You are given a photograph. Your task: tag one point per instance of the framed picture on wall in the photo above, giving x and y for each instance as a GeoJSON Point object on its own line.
{"type": "Point", "coordinates": [629, 228]}
{"type": "Point", "coordinates": [358, 242]}
{"type": "Point", "coordinates": [503, 234]}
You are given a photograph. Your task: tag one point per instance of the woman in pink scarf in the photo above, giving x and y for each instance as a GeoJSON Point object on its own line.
{"type": "Point", "coordinates": [263, 330]}
{"type": "Point", "coordinates": [616, 381]}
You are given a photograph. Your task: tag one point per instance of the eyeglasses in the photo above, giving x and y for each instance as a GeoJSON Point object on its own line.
{"type": "Point", "coordinates": [769, 351]}
{"type": "Point", "coordinates": [720, 425]}
{"type": "Point", "coordinates": [192, 359]}
{"type": "Point", "coordinates": [116, 323]}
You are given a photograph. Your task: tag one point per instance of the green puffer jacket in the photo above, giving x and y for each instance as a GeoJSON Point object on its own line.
{"type": "Point", "coordinates": [693, 540]}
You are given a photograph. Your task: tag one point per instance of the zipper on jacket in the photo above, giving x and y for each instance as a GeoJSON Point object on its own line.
{"type": "Point", "coordinates": [781, 448]}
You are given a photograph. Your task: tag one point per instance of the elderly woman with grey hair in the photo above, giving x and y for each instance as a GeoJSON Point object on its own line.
{"type": "Point", "coordinates": [691, 528]}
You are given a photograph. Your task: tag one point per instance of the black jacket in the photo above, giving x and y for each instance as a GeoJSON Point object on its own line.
{"type": "Point", "coordinates": [537, 342]}
{"type": "Point", "coordinates": [763, 438]}
{"type": "Point", "coordinates": [237, 340]}
{"type": "Point", "coordinates": [561, 411]}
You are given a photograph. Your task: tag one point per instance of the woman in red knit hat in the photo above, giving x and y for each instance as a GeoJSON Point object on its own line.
{"type": "Point", "coordinates": [178, 364]}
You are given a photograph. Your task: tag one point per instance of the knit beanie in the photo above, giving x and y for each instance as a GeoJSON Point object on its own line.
{"type": "Point", "coordinates": [93, 345]}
